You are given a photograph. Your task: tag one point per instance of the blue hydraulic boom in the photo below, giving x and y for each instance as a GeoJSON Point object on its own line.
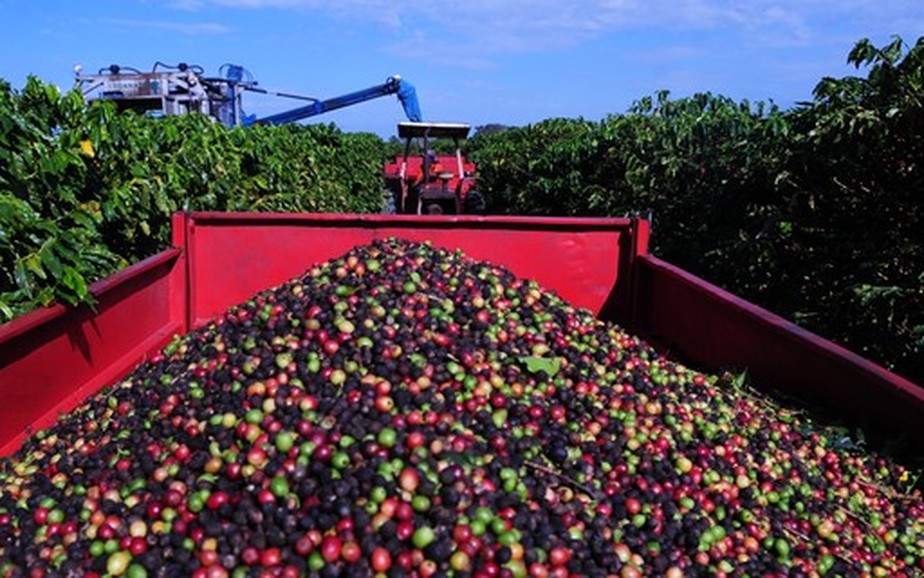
{"type": "Point", "coordinates": [394, 85]}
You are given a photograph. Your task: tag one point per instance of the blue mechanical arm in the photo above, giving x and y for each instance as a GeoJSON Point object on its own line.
{"type": "Point", "coordinates": [394, 85]}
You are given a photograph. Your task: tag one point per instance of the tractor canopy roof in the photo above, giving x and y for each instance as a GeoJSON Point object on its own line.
{"type": "Point", "coordinates": [455, 131]}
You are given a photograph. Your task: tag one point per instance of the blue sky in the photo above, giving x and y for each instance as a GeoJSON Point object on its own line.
{"type": "Point", "coordinates": [477, 61]}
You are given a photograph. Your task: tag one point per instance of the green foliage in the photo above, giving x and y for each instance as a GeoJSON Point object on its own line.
{"type": "Point", "coordinates": [50, 246]}
{"type": "Point", "coordinates": [541, 169]}
{"type": "Point", "coordinates": [859, 153]}
{"type": "Point", "coordinates": [814, 213]}
{"type": "Point", "coordinates": [85, 190]}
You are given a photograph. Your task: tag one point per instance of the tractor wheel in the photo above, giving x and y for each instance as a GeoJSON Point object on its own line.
{"type": "Point", "coordinates": [433, 209]}
{"type": "Point", "coordinates": [474, 203]}
{"type": "Point", "coordinates": [389, 206]}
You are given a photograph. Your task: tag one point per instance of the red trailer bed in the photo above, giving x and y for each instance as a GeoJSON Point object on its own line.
{"type": "Point", "coordinates": [53, 358]}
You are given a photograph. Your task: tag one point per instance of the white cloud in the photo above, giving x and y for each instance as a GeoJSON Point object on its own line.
{"type": "Point", "coordinates": [189, 5]}
{"type": "Point", "coordinates": [187, 28]}
{"type": "Point", "coordinates": [481, 28]}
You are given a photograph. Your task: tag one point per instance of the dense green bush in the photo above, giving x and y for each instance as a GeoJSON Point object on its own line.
{"type": "Point", "coordinates": [85, 190]}
{"type": "Point", "coordinates": [858, 212]}
{"type": "Point", "coordinates": [814, 212]}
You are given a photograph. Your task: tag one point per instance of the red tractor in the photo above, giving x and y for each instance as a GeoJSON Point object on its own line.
{"type": "Point", "coordinates": [431, 183]}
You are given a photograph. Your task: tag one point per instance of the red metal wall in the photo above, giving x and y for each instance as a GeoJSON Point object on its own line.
{"type": "Point", "coordinates": [52, 359]}
{"type": "Point", "coordinates": [694, 320]}
{"type": "Point", "coordinates": [233, 256]}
